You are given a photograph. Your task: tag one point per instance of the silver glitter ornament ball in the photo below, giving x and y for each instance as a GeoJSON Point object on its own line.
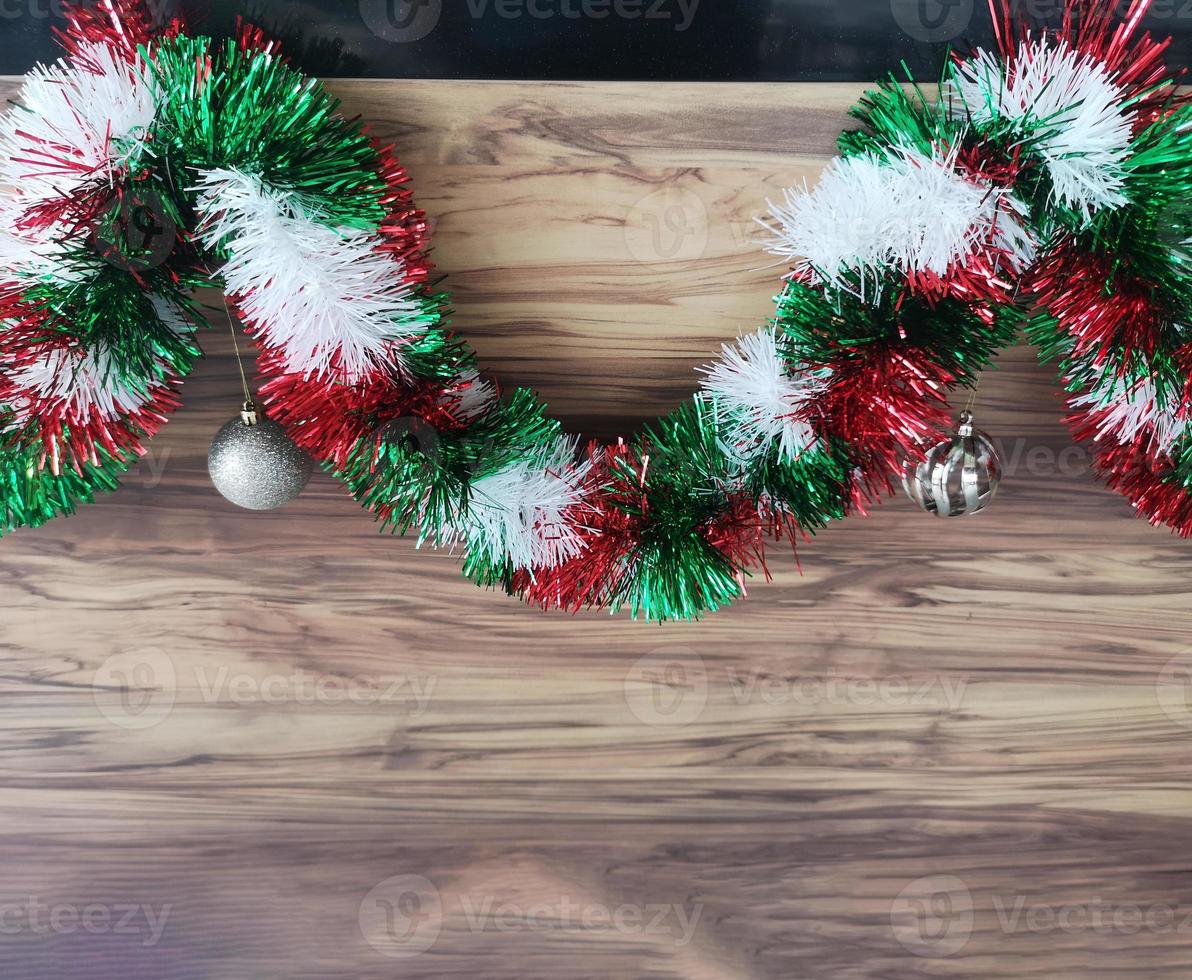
{"type": "Point", "coordinates": [254, 464]}
{"type": "Point", "coordinates": [957, 477]}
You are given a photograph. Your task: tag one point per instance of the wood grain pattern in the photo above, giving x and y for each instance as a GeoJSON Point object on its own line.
{"type": "Point", "coordinates": [944, 750]}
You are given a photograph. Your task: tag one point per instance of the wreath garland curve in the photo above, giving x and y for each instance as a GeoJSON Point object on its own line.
{"type": "Point", "coordinates": [1048, 181]}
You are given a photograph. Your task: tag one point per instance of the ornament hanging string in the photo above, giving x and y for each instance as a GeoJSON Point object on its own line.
{"type": "Point", "coordinates": [248, 398]}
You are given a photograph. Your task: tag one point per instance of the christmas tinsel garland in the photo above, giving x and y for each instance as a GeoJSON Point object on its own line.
{"type": "Point", "coordinates": [1048, 182]}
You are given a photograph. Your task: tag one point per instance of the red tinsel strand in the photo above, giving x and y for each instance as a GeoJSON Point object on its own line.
{"type": "Point", "coordinates": [21, 319]}
{"type": "Point", "coordinates": [49, 159]}
{"type": "Point", "coordinates": [981, 280]}
{"type": "Point", "coordinates": [1093, 424]}
{"type": "Point", "coordinates": [611, 533]}
{"type": "Point", "coordinates": [67, 434]}
{"type": "Point", "coordinates": [977, 160]}
{"type": "Point", "coordinates": [251, 39]}
{"type": "Point", "coordinates": [405, 229]}
{"type": "Point", "coordinates": [984, 278]}
{"type": "Point", "coordinates": [328, 415]}
{"type": "Point", "coordinates": [886, 402]}
{"type": "Point", "coordinates": [1097, 301]}
{"type": "Point", "coordinates": [740, 534]}
{"type": "Point", "coordinates": [1183, 358]}
{"type": "Point", "coordinates": [122, 25]}
{"type": "Point", "coordinates": [73, 437]}
{"type": "Point", "coordinates": [1131, 469]}
{"type": "Point", "coordinates": [1097, 28]}
{"type": "Point", "coordinates": [70, 214]}
{"type": "Point", "coordinates": [613, 516]}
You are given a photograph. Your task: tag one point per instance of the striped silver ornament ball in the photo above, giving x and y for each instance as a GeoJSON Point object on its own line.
{"type": "Point", "coordinates": [255, 465]}
{"type": "Point", "coordinates": [957, 477]}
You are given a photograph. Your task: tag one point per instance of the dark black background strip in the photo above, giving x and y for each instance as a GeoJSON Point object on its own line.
{"type": "Point", "coordinates": [677, 40]}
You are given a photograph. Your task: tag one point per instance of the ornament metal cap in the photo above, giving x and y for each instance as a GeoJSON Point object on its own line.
{"type": "Point", "coordinates": [249, 414]}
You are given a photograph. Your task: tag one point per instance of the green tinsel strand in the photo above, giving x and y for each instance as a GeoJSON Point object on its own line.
{"type": "Point", "coordinates": [1049, 338]}
{"type": "Point", "coordinates": [898, 114]}
{"type": "Point", "coordinates": [1156, 230]}
{"type": "Point", "coordinates": [1081, 374]}
{"type": "Point", "coordinates": [420, 476]}
{"type": "Point", "coordinates": [813, 489]}
{"type": "Point", "coordinates": [680, 578]}
{"type": "Point", "coordinates": [1018, 141]}
{"type": "Point", "coordinates": [396, 470]}
{"type": "Point", "coordinates": [1146, 243]}
{"type": "Point", "coordinates": [1181, 472]}
{"type": "Point", "coordinates": [144, 225]}
{"type": "Point", "coordinates": [482, 571]}
{"type": "Point", "coordinates": [821, 327]}
{"type": "Point", "coordinates": [1142, 243]}
{"type": "Point", "coordinates": [676, 571]}
{"type": "Point", "coordinates": [1160, 162]}
{"type": "Point", "coordinates": [111, 312]}
{"type": "Point", "coordinates": [31, 495]}
{"type": "Point", "coordinates": [434, 354]}
{"type": "Point", "coordinates": [254, 113]}
{"type": "Point", "coordinates": [508, 432]}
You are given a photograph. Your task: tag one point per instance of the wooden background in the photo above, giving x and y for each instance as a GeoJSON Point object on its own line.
{"type": "Point", "coordinates": [239, 745]}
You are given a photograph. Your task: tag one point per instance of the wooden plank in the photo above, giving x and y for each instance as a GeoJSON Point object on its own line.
{"type": "Point", "coordinates": [803, 780]}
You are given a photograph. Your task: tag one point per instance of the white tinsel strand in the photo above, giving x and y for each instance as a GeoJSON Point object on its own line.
{"type": "Point", "coordinates": [469, 395]}
{"type": "Point", "coordinates": [87, 381]}
{"type": "Point", "coordinates": [75, 124]}
{"type": "Point", "coordinates": [84, 381]}
{"type": "Point", "coordinates": [1067, 105]}
{"type": "Point", "coordinates": [49, 255]}
{"type": "Point", "coordinates": [1129, 409]}
{"type": "Point", "coordinates": [758, 401]}
{"type": "Point", "coordinates": [527, 512]}
{"type": "Point", "coordinates": [324, 296]}
{"type": "Point", "coordinates": [910, 212]}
